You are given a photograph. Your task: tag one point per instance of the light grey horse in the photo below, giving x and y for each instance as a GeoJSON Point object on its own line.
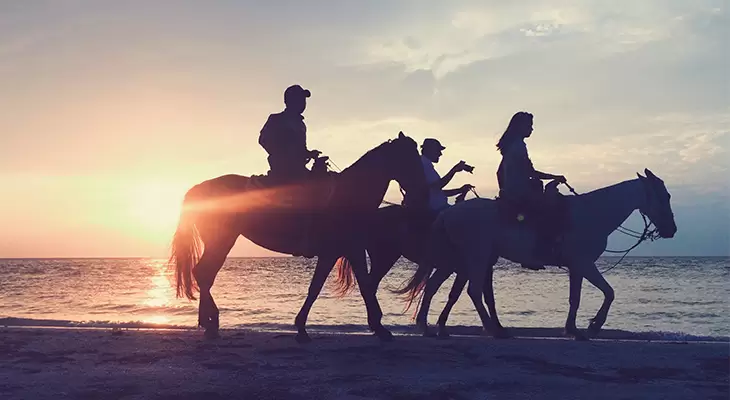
{"type": "Point", "coordinates": [472, 234]}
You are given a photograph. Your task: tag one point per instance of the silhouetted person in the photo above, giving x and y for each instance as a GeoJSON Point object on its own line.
{"type": "Point", "coordinates": [431, 151]}
{"type": "Point", "coordinates": [519, 182]}
{"type": "Point", "coordinates": [284, 137]}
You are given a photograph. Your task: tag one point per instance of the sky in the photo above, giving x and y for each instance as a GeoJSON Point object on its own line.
{"type": "Point", "coordinates": [110, 111]}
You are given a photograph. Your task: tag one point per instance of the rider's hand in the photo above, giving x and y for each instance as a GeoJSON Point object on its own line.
{"type": "Point", "coordinates": [466, 188]}
{"type": "Point", "coordinates": [561, 179]}
{"type": "Point", "coordinates": [461, 166]}
{"type": "Point", "coordinates": [314, 153]}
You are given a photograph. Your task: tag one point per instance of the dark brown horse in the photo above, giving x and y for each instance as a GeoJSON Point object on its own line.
{"type": "Point", "coordinates": [217, 211]}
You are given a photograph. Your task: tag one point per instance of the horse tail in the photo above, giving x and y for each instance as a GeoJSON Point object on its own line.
{"type": "Point", "coordinates": [415, 286]}
{"type": "Point", "coordinates": [185, 252]}
{"type": "Point", "coordinates": [345, 277]}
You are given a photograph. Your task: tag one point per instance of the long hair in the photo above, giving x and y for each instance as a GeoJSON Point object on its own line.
{"type": "Point", "coordinates": [515, 130]}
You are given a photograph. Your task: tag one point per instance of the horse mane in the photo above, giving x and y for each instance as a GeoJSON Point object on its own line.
{"type": "Point", "coordinates": [370, 153]}
{"type": "Point", "coordinates": [600, 191]}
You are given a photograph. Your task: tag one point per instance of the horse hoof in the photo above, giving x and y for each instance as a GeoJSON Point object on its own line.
{"type": "Point", "coordinates": [428, 333]}
{"type": "Point", "coordinates": [302, 338]}
{"type": "Point", "coordinates": [501, 333]}
{"type": "Point", "coordinates": [212, 334]}
{"type": "Point", "coordinates": [575, 334]}
{"type": "Point", "coordinates": [581, 338]}
{"type": "Point", "coordinates": [384, 335]}
{"type": "Point", "coordinates": [593, 329]}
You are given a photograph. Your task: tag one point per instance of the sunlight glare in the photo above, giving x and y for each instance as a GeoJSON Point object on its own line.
{"type": "Point", "coordinates": [155, 207]}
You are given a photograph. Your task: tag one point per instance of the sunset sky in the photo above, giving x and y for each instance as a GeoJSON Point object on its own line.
{"type": "Point", "coordinates": [111, 110]}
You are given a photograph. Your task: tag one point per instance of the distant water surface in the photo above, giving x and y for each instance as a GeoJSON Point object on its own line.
{"type": "Point", "coordinates": [688, 295]}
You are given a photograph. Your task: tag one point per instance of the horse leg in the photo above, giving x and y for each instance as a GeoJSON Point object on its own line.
{"type": "Point", "coordinates": [205, 271]}
{"type": "Point", "coordinates": [593, 276]}
{"type": "Point", "coordinates": [323, 269]}
{"type": "Point", "coordinates": [497, 330]}
{"type": "Point", "coordinates": [381, 262]}
{"type": "Point", "coordinates": [432, 286]}
{"type": "Point", "coordinates": [576, 281]}
{"type": "Point", "coordinates": [476, 289]}
{"type": "Point", "coordinates": [454, 294]}
{"type": "Point", "coordinates": [375, 313]}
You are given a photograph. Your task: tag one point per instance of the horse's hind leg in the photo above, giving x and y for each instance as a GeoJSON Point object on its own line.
{"type": "Point", "coordinates": [382, 259]}
{"type": "Point", "coordinates": [497, 330]}
{"type": "Point", "coordinates": [432, 286]}
{"type": "Point", "coordinates": [214, 255]}
{"type": "Point", "coordinates": [454, 294]}
{"type": "Point", "coordinates": [477, 274]}
{"type": "Point", "coordinates": [323, 269]}
{"type": "Point", "coordinates": [593, 276]}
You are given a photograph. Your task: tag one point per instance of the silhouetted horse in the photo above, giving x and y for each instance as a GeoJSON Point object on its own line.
{"type": "Point", "coordinates": [474, 234]}
{"type": "Point", "coordinates": [217, 211]}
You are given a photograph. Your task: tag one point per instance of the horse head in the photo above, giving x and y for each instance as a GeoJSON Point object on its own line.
{"type": "Point", "coordinates": [404, 163]}
{"type": "Point", "coordinates": [657, 206]}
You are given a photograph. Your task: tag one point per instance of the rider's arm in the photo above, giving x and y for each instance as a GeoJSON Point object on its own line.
{"type": "Point", "coordinates": [452, 192]}
{"type": "Point", "coordinates": [267, 138]}
{"type": "Point", "coordinates": [449, 176]}
{"type": "Point", "coordinates": [445, 179]}
{"type": "Point", "coordinates": [544, 175]}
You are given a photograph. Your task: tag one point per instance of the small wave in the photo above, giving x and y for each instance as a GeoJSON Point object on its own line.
{"type": "Point", "coordinates": [56, 323]}
{"type": "Point", "coordinates": [524, 332]}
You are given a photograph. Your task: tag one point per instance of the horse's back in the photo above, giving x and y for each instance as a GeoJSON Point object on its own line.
{"type": "Point", "coordinates": [469, 223]}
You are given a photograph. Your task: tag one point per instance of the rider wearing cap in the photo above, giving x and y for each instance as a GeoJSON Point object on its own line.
{"type": "Point", "coordinates": [284, 137]}
{"type": "Point", "coordinates": [431, 151]}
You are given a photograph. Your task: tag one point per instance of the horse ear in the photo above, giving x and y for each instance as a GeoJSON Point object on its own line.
{"type": "Point", "coordinates": [648, 173]}
{"type": "Point", "coordinates": [640, 177]}
{"type": "Point", "coordinates": [401, 135]}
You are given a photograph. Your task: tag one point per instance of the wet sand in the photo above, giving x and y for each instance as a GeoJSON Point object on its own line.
{"type": "Point", "coordinates": [179, 364]}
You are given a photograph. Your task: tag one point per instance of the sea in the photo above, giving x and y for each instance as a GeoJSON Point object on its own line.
{"type": "Point", "coordinates": [673, 296]}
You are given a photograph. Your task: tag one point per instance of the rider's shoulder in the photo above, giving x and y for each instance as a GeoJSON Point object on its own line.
{"type": "Point", "coordinates": [517, 148]}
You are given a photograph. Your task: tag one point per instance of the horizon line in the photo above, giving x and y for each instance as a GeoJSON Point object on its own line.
{"type": "Point", "coordinates": [289, 256]}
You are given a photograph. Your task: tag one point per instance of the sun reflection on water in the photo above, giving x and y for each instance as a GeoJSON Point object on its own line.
{"type": "Point", "coordinates": [160, 293]}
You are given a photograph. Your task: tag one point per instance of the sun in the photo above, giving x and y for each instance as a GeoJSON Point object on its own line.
{"type": "Point", "coordinates": [154, 207]}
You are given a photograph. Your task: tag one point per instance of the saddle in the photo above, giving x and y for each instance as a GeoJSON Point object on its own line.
{"type": "Point", "coordinates": [550, 220]}
{"type": "Point", "coordinates": [291, 210]}
{"type": "Point", "coordinates": [311, 191]}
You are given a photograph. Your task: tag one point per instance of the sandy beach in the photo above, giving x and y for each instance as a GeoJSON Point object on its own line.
{"type": "Point", "coordinates": [179, 364]}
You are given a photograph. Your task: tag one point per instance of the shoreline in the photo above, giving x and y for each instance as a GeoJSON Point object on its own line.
{"type": "Point", "coordinates": [257, 364]}
{"type": "Point", "coordinates": [408, 330]}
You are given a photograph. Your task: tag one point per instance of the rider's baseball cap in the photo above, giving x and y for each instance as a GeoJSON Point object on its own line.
{"type": "Point", "coordinates": [295, 92]}
{"type": "Point", "coordinates": [432, 143]}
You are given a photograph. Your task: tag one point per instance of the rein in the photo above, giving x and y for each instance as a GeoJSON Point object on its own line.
{"type": "Point", "coordinates": [650, 232]}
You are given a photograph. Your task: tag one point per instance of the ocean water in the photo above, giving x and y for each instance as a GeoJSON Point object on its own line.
{"type": "Point", "coordinates": [681, 295]}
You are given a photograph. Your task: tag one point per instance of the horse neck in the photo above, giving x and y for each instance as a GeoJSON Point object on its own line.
{"type": "Point", "coordinates": [363, 184]}
{"type": "Point", "coordinates": [606, 209]}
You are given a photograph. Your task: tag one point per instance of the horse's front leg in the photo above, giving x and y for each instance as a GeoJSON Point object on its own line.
{"type": "Point", "coordinates": [576, 281]}
{"type": "Point", "coordinates": [323, 269]}
{"type": "Point", "coordinates": [593, 276]}
{"type": "Point", "coordinates": [375, 313]}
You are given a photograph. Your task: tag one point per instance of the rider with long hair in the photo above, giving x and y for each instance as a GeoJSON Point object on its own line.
{"type": "Point", "coordinates": [519, 182]}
